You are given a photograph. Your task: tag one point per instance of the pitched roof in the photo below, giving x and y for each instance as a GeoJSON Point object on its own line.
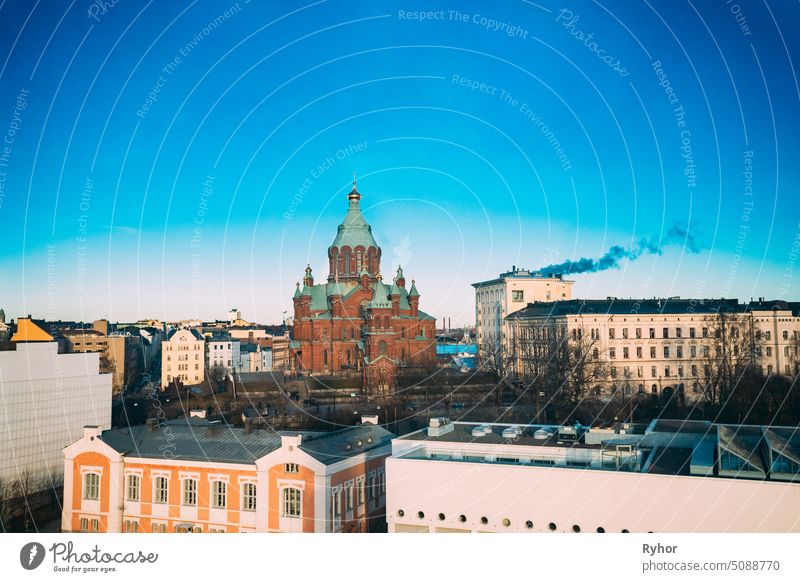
{"type": "Point", "coordinates": [380, 299]}
{"type": "Point", "coordinates": [27, 331]}
{"type": "Point", "coordinates": [190, 439]}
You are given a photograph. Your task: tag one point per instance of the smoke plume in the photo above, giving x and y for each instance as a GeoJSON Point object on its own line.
{"type": "Point", "coordinates": [677, 234]}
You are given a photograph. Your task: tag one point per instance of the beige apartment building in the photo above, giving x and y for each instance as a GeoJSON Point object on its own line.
{"type": "Point", "coordinates": [656, 346]}
{"type": "Point", "coordinates": [119, 353]}
{"type": "Point", "coordinates": [498, 298]}
{"type": "Point", "coordinates": [183, 357]}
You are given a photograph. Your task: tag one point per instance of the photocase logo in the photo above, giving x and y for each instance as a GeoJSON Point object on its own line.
{"type": "Point", "coordinates": [31, 555]}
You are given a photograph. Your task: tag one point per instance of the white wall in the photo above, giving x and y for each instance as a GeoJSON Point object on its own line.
{"type": "Point", "coordinates": [588, 498]}
{"type": "Point", "coordinates": [46, 398]}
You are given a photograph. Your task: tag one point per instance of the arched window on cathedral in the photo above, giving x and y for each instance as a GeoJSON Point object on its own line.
{"type": "Point", "coordinates": [324, 357]}
{"type": "Point", "coordinates": [347, 262]}
{"type": "Point", "coordinates": [382, 347]}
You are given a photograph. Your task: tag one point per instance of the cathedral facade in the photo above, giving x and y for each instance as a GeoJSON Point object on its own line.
{"type": "Point", "coordinates": [355, 321]}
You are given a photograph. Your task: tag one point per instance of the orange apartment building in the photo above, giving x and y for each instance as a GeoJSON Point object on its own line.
{"type": "Point", "coordinates": [195, 476]}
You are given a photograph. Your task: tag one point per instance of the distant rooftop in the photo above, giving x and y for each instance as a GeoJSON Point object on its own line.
{"type": "Point", "coordinates": [516, 273]}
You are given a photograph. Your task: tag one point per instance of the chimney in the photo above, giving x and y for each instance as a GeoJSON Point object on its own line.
{"type": "Point", "coordinates": [213, 428]}
{"type": "Point", "coordinates": [152, 424]}
{"type": "Point", "coordinates": [91, 431]}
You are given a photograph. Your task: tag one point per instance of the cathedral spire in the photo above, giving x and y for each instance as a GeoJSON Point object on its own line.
{"type": "Point", "coordinates": [354, 196]}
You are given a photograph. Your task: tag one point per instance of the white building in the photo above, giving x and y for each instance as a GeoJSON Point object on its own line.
{"type": "Point", "coordinates": [183, 357]}
{"type": "Point", "coordinates": [266, 359]}
{"type": "Point", "coordinates": [672, 476]}
{"type": "Point", "coordinates": [46, 398]}
{"type": "Point", "coordinates": [656, 346]}
{"type": "Point", "coordinates": [509, 292]}
{"type": "Point", "coordinates": [223, 350]}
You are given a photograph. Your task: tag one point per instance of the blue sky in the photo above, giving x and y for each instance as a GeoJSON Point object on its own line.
{"type": "Point", "coordinates": [172, 160]}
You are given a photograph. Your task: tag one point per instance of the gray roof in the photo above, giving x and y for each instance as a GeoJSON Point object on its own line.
{"type": "Point", "coordinates": [667, 306]}
{"type": "Point", "coordinates": [191, 440]}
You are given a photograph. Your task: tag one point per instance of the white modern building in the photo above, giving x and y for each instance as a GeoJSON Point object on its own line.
{"type": "Point", "coordinates": [509, 292]}
{"type": "Point", "coordinates": [46, 399]}
{"type": "Point", "coordinates": [670, 476]}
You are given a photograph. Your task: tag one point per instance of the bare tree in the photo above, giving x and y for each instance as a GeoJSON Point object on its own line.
{"type": "Point", "coordinates": [7, 504]}
{"type": "Point", "coordinates": [730, 348]}
{"type": "Point", "coordinates": [217, 375]}
{"type": "Point", "coordinates": [25, 488]}
{"type": "Point", "coordinates": [559, 362]}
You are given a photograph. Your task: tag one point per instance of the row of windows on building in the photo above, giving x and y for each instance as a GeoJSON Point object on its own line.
{"type": "Point", "coordinates": [183, 357]}
{"type": "Point", "coordinates": [91, 524]}
{"type": "Point", "coordinates": [506, 522]}
{"type": "Point", "coordinates": [291, 498]}
{"type": "Point", "coordinates": [133, 491]}
{"type": "Point", "coordinates": [353, 492]}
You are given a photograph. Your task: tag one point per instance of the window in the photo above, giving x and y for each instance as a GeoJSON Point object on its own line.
{"type": "Point", "coordinates": [190, 491]}
{"type": "Point", "coordinates": [91, 486]}
{"type": "Point", "coordinates": [652, 333]}
{"type": "Point", "coordinates": [611, 333]}
{"type": "Point", "coordinates": [625, 353]}
{"type": "Point", "coordinates": [666, 351]}
{"type": "Point", "coordinates": [638, 333]}
{"type": "Point", "coordinates": [131, 526]}
{"type": "Point", "coordinates": [161, 494]}
{"type": "Point", "coordinates": [639, 352]}
{"type": "Point", "coordinates": [653, 372]}
{"type": "Point", "coordinates": [84, 524]}
{"type": "Point", "coordinates": [625, 333]}
{"type": "Point", "coordinates": [692, 333]}
{"type": "Point", "coordinates": [517, 296]}
{"type": "Point", "coordinates": [678, 332]}
{"type": "Point", "coordinates": [767, 335]}
{"type": "Point", "coordinates": [349, 496]}
{"type": "Point", "coordinates": [219, 494]}
{"type": "Point", "coordinates": [785, 335]}
{"type": "Point", "coordinates": [159, 528]}
{"type": "Point", "coordinates": [249, 497]}
{"type": "Point", "coordinates": [692, 351]}
{"type": "Point", "coordinates": [291, 468]}
{"type": "Point", "coordinates": [666, 371]}
{"type": "Point", "coordinates": [679, 351]}
{"type": "Point", "coordinates": [705, 332]}
{"type": "Point", "coordinates": [730, 462]}
{"type": "Point", "coordinates": [337, 504]}
{"type": "Point", "coordinates": [665, 332]}
{"type": "Point", "coordinates": [133, 488]}
{"type": "Point", "coordinates": [639, 372]}
{"type": "Point", "coordinates": [781, 464]}
{"type": "Point", "coordinates": [292, 503]}
{"type": "Point", "coordinates": [360, 492]}
{"type": "Point", "coordinates": [652, 351]}
{"type": "Point", "coordinates": [612, 353]}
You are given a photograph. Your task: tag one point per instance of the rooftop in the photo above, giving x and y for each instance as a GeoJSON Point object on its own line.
{"type": "Point", "coordinates": [197, 439]}
{"type": "Point", "coordinates": [667, 447]}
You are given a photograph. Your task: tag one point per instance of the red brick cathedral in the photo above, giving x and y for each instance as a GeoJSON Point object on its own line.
{"type": "Point", "coordinates": [355, 321]}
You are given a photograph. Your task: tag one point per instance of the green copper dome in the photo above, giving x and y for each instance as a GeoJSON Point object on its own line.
{"type": "Point", "coordinates": [354, 231]}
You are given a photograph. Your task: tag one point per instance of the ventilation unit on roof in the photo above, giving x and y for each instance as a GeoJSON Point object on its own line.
{"type": "Point", "coordinates": [512, 432]}
{"type": "Point", "coordinates": [481, 430]}
{"type": "Point", "coordinates": [439, 425]}
{"type": "Point", "coordinates": [542, 435]}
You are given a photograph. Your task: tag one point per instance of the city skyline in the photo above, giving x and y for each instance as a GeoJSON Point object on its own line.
{"type": "Point", "coordinates": [172, 172]}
